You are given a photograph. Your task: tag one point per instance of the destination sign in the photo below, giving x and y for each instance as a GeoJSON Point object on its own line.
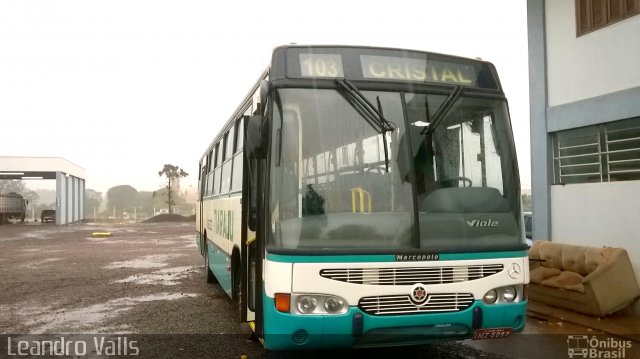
{"type": "Point", "coordinates": [375, 64]}
{"type": "Point", "coordinates": [411, 69]}
{"type": "Point", "coordinates": [321, 65]}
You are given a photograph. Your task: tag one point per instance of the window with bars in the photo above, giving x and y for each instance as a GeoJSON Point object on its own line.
{"type": "Point", "coordinates": [595, 14]}
{"type": "Point", "coordinates": [602, 153]}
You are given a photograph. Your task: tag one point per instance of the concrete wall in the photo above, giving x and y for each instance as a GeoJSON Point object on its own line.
{"type": "Point", "coordinates": [599, 214]}
{"type": "Point", "coordinates": [69, 198]}
{"type": "Point", "coordinates": [541, 163]}
{"type": "Point", "coordinates": [598, 63]}
{"type": "Point", "coordinates": [61, 196]}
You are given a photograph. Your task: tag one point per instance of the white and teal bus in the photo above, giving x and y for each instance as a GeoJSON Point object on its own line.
{"type": "Point", "coordinates": [364, 196]}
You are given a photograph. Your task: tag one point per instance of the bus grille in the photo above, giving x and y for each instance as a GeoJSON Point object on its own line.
{"type": "Point", "coordinates": [411, 275]}
{"type": "Point", "coordinates": [402, 304]}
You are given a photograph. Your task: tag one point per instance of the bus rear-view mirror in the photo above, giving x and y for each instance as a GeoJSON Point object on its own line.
{"type": "Point", "coordinates": [257, 134]}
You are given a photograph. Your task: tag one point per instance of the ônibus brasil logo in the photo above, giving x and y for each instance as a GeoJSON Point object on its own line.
{"type": "Point", "coordinates": [583, 346]}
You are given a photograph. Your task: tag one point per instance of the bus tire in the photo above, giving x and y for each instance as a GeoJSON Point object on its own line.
{"type": "Point", "coordinates": [235, 276]}
{"type": "Point", "coordinates": [210, 277]}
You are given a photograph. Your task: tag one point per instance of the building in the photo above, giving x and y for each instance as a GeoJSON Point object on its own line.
{"type": "Point", "coordinates": [70, 182]}
{"type": "Point", "coordinates": [584, 73]}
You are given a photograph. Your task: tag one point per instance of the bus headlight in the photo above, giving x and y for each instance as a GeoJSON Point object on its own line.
{"type": "Point", "coordinates": [333, 305]}
{"type": "Point", "coordinates": [491, 296]}
{"type": "Point", "coordinates": [317, 304]}
{"type": "Point", "coordinates": [503, 295]}
{"type": "Point", "coordinates": [307, 304]}
{"type": "Point", "coordinates": [509, 294]}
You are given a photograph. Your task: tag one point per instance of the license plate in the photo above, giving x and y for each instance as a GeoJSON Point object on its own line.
{"type": "Point", "coordinates": [491, 333]}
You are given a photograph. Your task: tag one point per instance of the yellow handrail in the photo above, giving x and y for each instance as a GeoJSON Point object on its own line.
{"type": "Point", "coordinates": [361, 194]}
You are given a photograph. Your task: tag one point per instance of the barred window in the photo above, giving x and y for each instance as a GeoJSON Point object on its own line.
{"type": "Point", "coordinates": [602, 153]}
{"type": "Point", "coordinates": [595, 14]}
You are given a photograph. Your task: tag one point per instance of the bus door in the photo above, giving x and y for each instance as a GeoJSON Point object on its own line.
{"type": "Point", "coordinates": [253, 230]}
{"type": "Point", "coordinates": [203, 186]}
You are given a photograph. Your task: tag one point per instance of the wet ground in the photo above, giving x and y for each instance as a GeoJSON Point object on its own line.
{"type": "Point", "coordinates": [144, 279]}
{"type": "Point", "coordinates": [146, 283]}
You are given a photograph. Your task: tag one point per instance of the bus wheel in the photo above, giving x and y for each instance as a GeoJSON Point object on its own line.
{"type": "Point", "coordinates": [236, 286]}
{"type": "Point", "coordinates": [236, 281]}
{"type": "Point", "coordinates": [210, 277]}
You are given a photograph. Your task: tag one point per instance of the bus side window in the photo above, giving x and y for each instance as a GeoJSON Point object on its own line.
{"type": "Point", "coordinates": [219, 150]}
{"type": "Point", "coordinates": [226, 178]}
{"type": "Point", "coordinates": [214, 183]}
{"type": "Point", "coordinates": [210, 184]}
{"type": "Point", "coordinates": [229, 141]}
{"type": "Point", "coordinates": [236, 177]}
{"type": "Point", "coordinates": [202, 179]}
{"type": "Point", "coordinates": [239, 135]}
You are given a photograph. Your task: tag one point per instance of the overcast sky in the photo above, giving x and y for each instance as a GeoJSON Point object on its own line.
{"type": "Point", "coordinates": [121, 87]}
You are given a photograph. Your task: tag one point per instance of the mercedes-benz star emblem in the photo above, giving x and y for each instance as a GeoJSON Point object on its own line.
{"type": "Point", "coordinates": [514, 271]}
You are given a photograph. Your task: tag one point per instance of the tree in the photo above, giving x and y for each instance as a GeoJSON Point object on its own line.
{"type": "Point", "coordinates": [173, 173]}
{"type": "Point", "coordinates": [145, 202]}
{"type": "Point", "coordinates": [123, 198]}
{"type": "Point", "coordinates": [17, 186]}
{"type": "Point", "coordinates": [31, 196]}
{"type": "Point", "coordinates": [92, 202]}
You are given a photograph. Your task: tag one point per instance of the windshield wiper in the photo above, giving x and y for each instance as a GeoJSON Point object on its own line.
{"type": "Point", "coordinates": [371, 114]}
{"type": "Point", "coordinates": [443, 109]}
{"type": "Point", "coordinates": [366, 108]}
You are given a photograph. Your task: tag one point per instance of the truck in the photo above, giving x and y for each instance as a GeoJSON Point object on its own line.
{"type": "Point", "coordinates": [12, 206]}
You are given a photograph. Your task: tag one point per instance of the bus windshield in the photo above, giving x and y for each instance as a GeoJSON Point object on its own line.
{"type": "Point", "coordinates": [448, 185]}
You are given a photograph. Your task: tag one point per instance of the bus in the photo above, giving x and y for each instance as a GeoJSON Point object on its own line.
{"type": "Point", "coordinates": [364, 197]}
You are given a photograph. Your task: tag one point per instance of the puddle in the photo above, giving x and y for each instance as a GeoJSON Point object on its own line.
{"type": "Point", "coordinates": [40, 234]}
{"type": "Point", "coordinates": [40, 250]}
{"type": "Point", "coordinates": [37, 234]}
{"type": "Point", "coordinates": [49, 250]}
{"type": "Point", "coordinates": [111, 240]}
{"type": "Point", "coordinates": [147, 241]}
{"type": "Point", "coordinates": [166, 243]}
{"type": "Point", "coordinates": [167, 276]}
{"type": "Point", "coordinates": [86, 319]}
{"type": "Point", "coordinates": [153, 261]}
{"type": "Point", "coordinates": [40, 263]}
{"type": "Point", "coordinates": [31, 250]}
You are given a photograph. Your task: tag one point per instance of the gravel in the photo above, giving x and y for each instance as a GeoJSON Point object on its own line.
{"type": "Point", "coordinates": [145, 283]}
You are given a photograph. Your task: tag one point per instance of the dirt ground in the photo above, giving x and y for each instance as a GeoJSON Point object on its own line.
{"type": "Point", "coordinates": [144, 283]}
{"type": "Point", "coordinates": [145, 279]}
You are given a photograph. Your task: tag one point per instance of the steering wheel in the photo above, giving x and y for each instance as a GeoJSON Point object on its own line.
{"type": "Point", "coordinates": [439, 183]}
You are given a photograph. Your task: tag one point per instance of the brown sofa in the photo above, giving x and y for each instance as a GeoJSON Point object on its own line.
{"type": "Point", "coordinates": [594, 281]}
